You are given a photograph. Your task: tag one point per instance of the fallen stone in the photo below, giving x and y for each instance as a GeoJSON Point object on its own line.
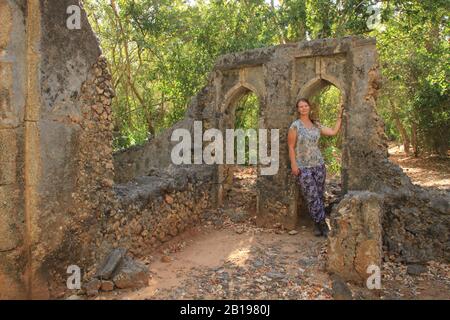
{"type": "Point", "coordinates": [258, 263]}
{"type": "Point", "coordinates": [237, 215]}
{"type": "Point", "coordinates": [131, 274]}
{"type": "Point", "coordinates": [293, 232]}
{"type": "Point", "coordinates": [92, 287]}
{"type": "Point", "coordinates": [340, 290]}
{"type": "Point", "coordinates": [168, 199]}
{"type": "Point", "coordinates": [107, 285]}
{"type": "Point", "coordinates": [416, 269]}
{"type": "Point", "coordinates": [275, 275]}
{"type": "Point", "coordinates": [307, 261]}
{"type": "Point", "coordinates": [355, 241]}
{"type": "Point", "coordinates": [224, 276]}
{"type": "Point", "coordinates": [110, 264]}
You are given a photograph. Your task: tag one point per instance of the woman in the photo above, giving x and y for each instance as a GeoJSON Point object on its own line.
{"type": "Point", "coordinates": [307, 163]}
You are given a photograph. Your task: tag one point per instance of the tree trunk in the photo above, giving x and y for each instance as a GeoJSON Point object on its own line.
{"type": "Point", "coordinates": [276, 23]}
{"type": "Point", "coordinates": [401, 129]}
{"type": "Point", "coordinates": [414, 139]}
{"type": "Point", "coordinates": [130, 82]}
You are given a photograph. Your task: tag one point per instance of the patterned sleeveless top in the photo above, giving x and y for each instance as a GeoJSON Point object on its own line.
{"type": "Point", "coordinates": [307, 151]}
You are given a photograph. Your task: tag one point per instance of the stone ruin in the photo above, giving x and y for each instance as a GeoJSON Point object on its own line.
{"type": "Point", "coordinates": [66, 199]}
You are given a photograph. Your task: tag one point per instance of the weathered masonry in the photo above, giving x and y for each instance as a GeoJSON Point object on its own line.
{"type": "Point", "coordinates": [66, 199]}
{"type": "Point", "coordinates": [279, 76]}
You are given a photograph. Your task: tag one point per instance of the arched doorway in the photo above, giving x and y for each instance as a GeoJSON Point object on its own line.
{"type": "Point", "coordinates": [237, 181]}
{"type": "Point", "coordinates": [326, 98]}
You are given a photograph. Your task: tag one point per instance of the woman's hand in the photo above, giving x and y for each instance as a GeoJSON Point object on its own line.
{"type": "Point", "coordinates": [341, 111]}
{"type": "Point", "coordinates": [295, 170]}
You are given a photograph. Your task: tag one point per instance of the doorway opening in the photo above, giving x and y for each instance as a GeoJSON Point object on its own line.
{"type": "Point", "coordinates": [240, 180]}
{"type": "Point", "coordinates": [326, 100]}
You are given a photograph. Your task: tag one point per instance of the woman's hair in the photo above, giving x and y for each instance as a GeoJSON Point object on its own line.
{"type": "Point", "coordinates": [304, 100]}
{"type": "Point", "coordinates": [313, 120]}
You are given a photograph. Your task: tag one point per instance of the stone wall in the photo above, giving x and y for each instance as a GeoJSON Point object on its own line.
{"type": "Point", "coordinates": [355, 240]}
{"type": "Point", "coordinates": [58, 205]}
{"type": "Point", "coordinates": [416, 225]}
{"type": "Point", "coordinates": [150, 210]}
{"type": "Point", "coordinates": [278, 76]}
{"type": "Point", "coordinates": [141, 160]}
{"type": "Point", "coordinates": [13, 55]}
{"type": "Point", "coordinates": [55, 141]}
{"type": "Point", "coordinates": [65, 200]}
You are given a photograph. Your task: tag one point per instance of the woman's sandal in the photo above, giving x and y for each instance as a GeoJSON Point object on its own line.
{"type": "Point", "coordinates": [317, 229]}
{"type": "Point", "coordinates": [324, 228]}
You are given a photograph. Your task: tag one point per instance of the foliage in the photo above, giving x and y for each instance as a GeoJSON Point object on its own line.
{"type": "Point", "coordinates": [414, 51]}
{"type": "Point", "coordinates": [160, 53]}
{"type": "Point", "coordinates": [247, 117]}
{"type": "Point", "coordinates": [326, 104]}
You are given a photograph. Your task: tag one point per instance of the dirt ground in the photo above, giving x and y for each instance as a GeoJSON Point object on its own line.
{"type": "Point", "coordinates": [426, 171]}
{"type": "Point", "coordinates": [229, 257]}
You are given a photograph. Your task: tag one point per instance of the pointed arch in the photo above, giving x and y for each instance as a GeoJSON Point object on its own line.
{"type": "Point", "coordinates": [319, 82]}
{"type": "Point", "coordinates": [235, 93]}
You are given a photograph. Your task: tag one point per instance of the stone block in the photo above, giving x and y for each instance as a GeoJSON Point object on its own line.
{"type": "Point", "coordinates": [8, 146]}
{"type": "Point", "coordinates": [111, 263]}
{"type": "Point", "coordinates": [9, 231]}
{"type": "Point", "coordinates": [6, 19]}
{"type": "Point", "coordinates": [107, 285]}
{"type": "Point", "coordinates": [131, 274]}
{"type": "Point", "coordinates": [92, 287]}
{"type": "Point", "coordinates": [355, 242]}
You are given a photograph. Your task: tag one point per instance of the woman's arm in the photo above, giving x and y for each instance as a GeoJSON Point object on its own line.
{"type": "Point", "coordinates": [333, 131]}
{"type": "Point", "coordinates": [292, 139]}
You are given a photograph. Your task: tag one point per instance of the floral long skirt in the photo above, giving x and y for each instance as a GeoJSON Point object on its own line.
{"type": "Point", "coordinates": [312, 185]}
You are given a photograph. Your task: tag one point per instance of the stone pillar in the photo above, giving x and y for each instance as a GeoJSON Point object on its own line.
{"type": "Point", "coordinates": [355, 242]}
{"type": "Point", "coordinates": [13, 254]}
{"type": "Point", "coordinates": [363, 142]}
{"type": "Point", "coordinates": [276, 193]}
{"type": "Point", "coordinates": [55, 146]}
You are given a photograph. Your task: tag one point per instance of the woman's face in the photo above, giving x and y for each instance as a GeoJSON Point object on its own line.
{"type": "Point", "coordinates": [303, 108]}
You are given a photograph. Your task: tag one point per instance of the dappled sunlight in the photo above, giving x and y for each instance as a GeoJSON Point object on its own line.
{"type": "Point", "coordinates": [240, 255]}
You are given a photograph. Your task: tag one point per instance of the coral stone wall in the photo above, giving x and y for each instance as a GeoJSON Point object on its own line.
{"type": "Point", "coordinates": [415, 221]}
{"type": "Point", "coordinates": [13, 254]}
{"type": "Point", "coordinates": [55, 140]}
{"type": "Point", "coordinates": [153, 209]}
{"type": "Point", "coordinates": [66, 200]}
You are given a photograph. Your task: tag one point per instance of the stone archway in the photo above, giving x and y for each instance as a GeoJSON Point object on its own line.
{"type": "Point", "coordinates": [279, 75]}
{"type": "Point", "coordinates": [239, 82]}
{"type": "Point", "coordinates": [59, 205]}
{"type": "Point", "coordinates": [318, 83]}
{"type": "Point", "coordinates": [312, 88]}
{"type": "Point", "coordinates": [228, 110]}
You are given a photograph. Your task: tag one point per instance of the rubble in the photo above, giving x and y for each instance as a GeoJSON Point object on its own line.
{"type": "Point", "coordinates": [355, 240]}
{"type": "Point", "coordinates": [120, 271]}
{"type": "Point", "coordinates": [131, 274]}
{"type": "Point", "coordinates": [111, 263]}
{"type": "Point", "coordinates": [340, 290]}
